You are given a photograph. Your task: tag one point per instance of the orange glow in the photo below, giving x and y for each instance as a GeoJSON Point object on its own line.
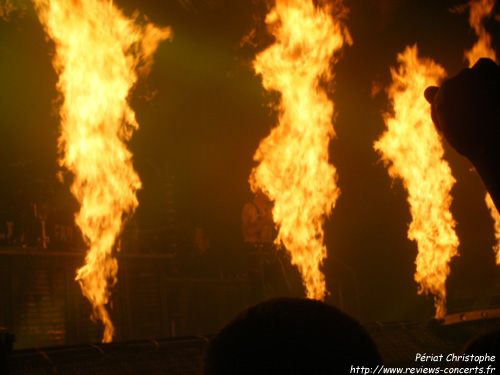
{"type": "Point", "coordinates": [412, 150]}
{"type": "Point", "coordinates": [294, 170]}
{"type": "Point", "coordinates": [479, 10]}
{"type": "Point", "coordinates": [98, 52]}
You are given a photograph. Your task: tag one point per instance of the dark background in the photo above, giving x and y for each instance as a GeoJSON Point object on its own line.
{"type": "Point", "coordinates": [210, 112]}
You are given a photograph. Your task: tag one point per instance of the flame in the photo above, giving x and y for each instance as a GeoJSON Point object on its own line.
{"type": "Point", "coordinates": [294, 170]}
{"type": "Point", "coordinates": [6, 9]}
{"type": "Point", "coordinates": [479, 10]}
{"type": "Point", "coordinates": [496, 219]}
{"type": "Point", "coordinates": [412, 150]}
{"type": "Point", "coordinates": [98, 52]}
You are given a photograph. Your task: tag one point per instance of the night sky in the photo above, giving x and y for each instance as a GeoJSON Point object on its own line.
{"type": "Point", "coordinates": [202, 112]}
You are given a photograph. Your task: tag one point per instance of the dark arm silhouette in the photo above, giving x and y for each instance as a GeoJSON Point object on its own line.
{"type": "Point", "coordinates": [466, 110]}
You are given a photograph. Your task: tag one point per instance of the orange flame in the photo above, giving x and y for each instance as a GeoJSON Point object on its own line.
{"type": "Point", "coordinates": [98, 51]}
{"type": "Point", "coordinates": [294, 170]}
{"type": "Point", "coordinates": [6, 9]}
{"type": "Point", "coordinates": [412, 149]}
{"type": "Point", "coordinates": [479, 10]}
{"type": "Point", "coordinates": [496, 219]}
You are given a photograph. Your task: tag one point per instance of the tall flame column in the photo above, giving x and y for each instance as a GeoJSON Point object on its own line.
{"type": "Point", "coordinates": [294, 169]}
{"type": "Point", "coordinates": [412, 149]}
{"type": "Point", "coordinates": [99, 53]}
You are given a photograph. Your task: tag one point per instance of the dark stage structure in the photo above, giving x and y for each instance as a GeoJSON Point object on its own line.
{"type": "Point", "coordinates": [45, 307]}
{"type": "Point", "coordinates": [165, 306]}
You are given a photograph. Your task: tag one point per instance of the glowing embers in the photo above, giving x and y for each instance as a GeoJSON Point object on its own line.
{"type": "Point", "coordinates": [294, 170]}
{"type": "Point", "coordinates": [412, 150]}
{"type": "Point", "coordinates": [98, 52]}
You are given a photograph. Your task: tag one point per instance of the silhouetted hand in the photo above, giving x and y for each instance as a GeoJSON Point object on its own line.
{"type": "Point", "coordinates": [466, 110]}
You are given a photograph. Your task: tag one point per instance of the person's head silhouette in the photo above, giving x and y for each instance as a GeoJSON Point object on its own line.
{"type": "Point", "coordinates": [291, 336]}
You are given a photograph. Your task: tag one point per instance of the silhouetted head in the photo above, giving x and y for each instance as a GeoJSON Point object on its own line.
{"type": "Point", "coordinates": [290, 336]}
